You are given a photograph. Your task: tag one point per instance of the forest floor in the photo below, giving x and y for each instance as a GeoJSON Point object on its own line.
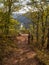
{"type": "Point", "coordinates": [23, 55]}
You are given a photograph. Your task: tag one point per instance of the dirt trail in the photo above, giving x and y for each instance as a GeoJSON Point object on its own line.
{"type": "Point", "coordinates": [23, 55]}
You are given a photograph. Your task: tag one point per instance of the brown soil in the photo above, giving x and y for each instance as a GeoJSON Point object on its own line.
{"type": "Point", "coordinates": [23, 55]}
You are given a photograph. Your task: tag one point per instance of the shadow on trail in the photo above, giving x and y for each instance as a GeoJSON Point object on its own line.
{"type": "Point", "coordinates": [23, 55]}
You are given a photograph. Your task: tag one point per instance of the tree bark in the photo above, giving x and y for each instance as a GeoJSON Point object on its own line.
{"type": "Point", "coordinates": [48, 40]}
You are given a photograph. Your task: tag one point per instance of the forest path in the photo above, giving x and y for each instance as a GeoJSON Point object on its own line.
{"type": "Point", "coordinates": [24, 55]}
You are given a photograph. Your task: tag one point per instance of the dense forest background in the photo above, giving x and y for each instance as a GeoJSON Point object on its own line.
{"type": "Point", "coordinates": [10, 28]}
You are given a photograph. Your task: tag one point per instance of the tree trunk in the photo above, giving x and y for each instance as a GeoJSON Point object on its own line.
{"type": "Point", "coordinates": [8, 13]}
{"type": "Point", "coordinates": [48, 40]}
{"type": "Point", "coordinates": [43, 30]}
{"type": "Point", "coordinates": [37, 34]}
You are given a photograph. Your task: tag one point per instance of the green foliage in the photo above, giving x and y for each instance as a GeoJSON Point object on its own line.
{"type": "Point", "coordinates": [9, 28]}
{"type": "Point", "coordinates": [13, 27]}
{"type": "Point", "coordinates": [40, 31]}
{"type": "Point", "coordinates": [43, 56]}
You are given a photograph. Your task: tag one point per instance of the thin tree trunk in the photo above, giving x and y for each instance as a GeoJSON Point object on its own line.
{"type": "Point", "coordinates": [48, 40]}
{"type": "Point", "coordinates": [37, 29]}
{"type": "Point", "coordinates": [8, 16]}
{"type": "Point", "coordinates": [43, 30]}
